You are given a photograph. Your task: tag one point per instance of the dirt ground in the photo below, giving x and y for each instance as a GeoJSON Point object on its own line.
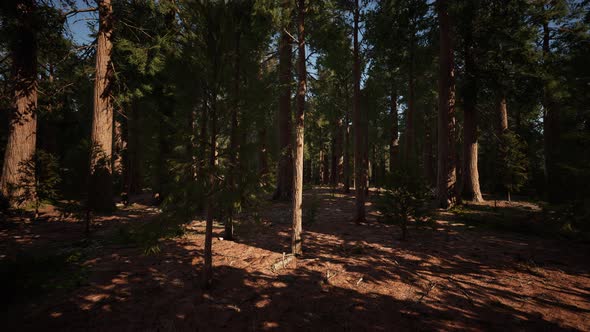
{"type": "Point", "coordinates": [351, 277]}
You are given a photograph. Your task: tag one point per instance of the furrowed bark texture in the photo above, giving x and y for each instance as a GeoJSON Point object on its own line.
{"type": "Point", "coordinates": [285, 171]}
{"type": "Point", "coordinates": [101, 172]}
{"type": "Point", "coordinates": [296, 247]}
{"type": "Point", "coordinates": [22, 131]}
{"type": "Point", "coordinates": [470, 178]}
{"type": "Point", "coordinates": [446, 173]}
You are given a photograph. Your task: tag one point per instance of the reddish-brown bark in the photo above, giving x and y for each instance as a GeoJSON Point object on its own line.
{"type": "Point", "coordinates": [296, 247]}
{"type": "Point", "coordinates": [285, 166]}
{"type": "Point", "coordinates": [22, 131]}
{"type": "Point", "coordinates": [446, 173]}
{"type": "Point", "coordinates": [470, 176]}
{"type": "Point", "coordinates": [100, 194]}
{"type": "Point", "coordinates": [336, 162]}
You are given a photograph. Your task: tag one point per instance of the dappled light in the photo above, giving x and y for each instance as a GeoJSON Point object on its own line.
{"type": "Point", "coordinates": [294, 165]}
{"type": "Point", "coordinates": [354, 277]}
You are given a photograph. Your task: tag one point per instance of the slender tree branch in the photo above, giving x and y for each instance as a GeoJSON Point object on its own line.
{"type": "Point", "coordinates": [77, 11]}
{"type": "Point", "coordinates": [293, 39]}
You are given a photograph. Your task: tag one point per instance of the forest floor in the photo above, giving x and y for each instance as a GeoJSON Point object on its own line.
{"type": "Point", "coordinates": [453, 274]}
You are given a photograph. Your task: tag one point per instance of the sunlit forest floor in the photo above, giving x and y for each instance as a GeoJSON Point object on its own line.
{"type": "Point", "coordinates": [472, 269]}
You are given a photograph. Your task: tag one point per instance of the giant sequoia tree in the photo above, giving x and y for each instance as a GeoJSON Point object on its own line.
{"type": "Point", "coordinates": [285, 165]}
{"type": "Point", "coordinates": [446, 111]}
{"type": "Point", "coordinates": [470, 176]}
{"type": "Point", "coordinates": [101, 172]}
{"type": "Point", "coordinates": [22, 136]}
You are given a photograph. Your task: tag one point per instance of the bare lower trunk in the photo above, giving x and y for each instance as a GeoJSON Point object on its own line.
{"type": "Point", "coordinates": [471, 190]}
{"type": "Point", "coordinates": [428, 158]}
{"type": "Point", "coordinates": [285, 171]}
{"type": "Point", "coordinates": [299, 127]}
{"type": "Point", "coordinates": [346, 157]}
{"type": "Point", "coordinates": [336, 169]}
{"type": "Point", "coordinates": [470, 176]}
{"type": "Point", "coordinates": [202, 153]}
{"type": "Point", "coordinates": [207, 275]}
{"type": "Point", "coordinates": [360, 168]}
{"type": "Point", "coordinates": [501, 131]}
{"type": "Point", "coordinates": [101, 173]}
{"type": "Point", "coordinates": [446, 173]}
{"type": "Point", "coordinates": [18, 169]}
{"type": "Point", "coordinates": [234, 173]}
{"type": "Point", "coordinates": [262, 151]}
{"type": "Point", "coordinates": [120, 147]}
{"type": "Point", "coordinates": [502, 116]}
{"type": "Point", "coordinates": [322, 167]}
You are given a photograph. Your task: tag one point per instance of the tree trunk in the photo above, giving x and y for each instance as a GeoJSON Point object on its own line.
{"type": "Point", "coordinates": [428, 158]}
{"type": "Point", "coordinates": [285, 171]}
{"type": "Point", "coordinates": [501, 130]}
{"type": "Point", "coordinates": [336, 172]}
{"type": "Point", "coordinates": [208, 256]}
{"type": "Point", "coordinates": [202, 153]}
{"type": "Point", "coordinates": [262, 150]}
{"type": "Point", "coordinates": [470, 190]}
{"type": "Point", "coordinates": [20, 147]}
{"type": "Point", "coordinates": [373, 167]}
{"type": "Point", "coordinates": [360, 168]}
{"type": "Point", "coordinates": [346, 157]}
{"type": "Point", "coordinates": [299, 127]}
{"type": "Point", "coordinates": [394, 135]}
{"type": "Point", "coordinates": [101, 173]}
{"type": "Point", "coordinates": [164, 149]}
{"type": "Point", "coordinates": [120, 147]}
{"type": "Point", "coordinates": [234, 145]}
{"type": "Point", "coordinates": [446, 173]}
{"type": "Point", "coordinates": [322, 166]}
{"type": "Point", "coordinates": [502, 116]}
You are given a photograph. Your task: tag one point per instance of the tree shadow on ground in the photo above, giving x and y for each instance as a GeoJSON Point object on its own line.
{"type": "Point", "coordinates": [352, 278]}
{"type": "Point", "coordinates": [128, 291]}
{"type": "Point", "coordinates": [482, 271]}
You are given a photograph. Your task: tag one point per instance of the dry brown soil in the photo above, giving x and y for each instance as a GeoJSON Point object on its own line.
{"type": "Point", "coordinates": [351, 278]}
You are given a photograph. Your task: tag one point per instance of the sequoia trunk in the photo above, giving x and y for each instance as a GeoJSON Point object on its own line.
{"type": "Point", "coordinates": [470, 176]}
{"type": "Point", "coordinates": [285, 171]}
{"type": "Point", "coordinates": [20, 148]}
{"type": "Point", "coordinates": [446, 173]}
{"type": "Point", "coordinates": [101, 173]}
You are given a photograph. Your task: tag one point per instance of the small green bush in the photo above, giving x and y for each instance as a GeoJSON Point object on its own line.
{"type": "Point", "coordinates": [404, 199]}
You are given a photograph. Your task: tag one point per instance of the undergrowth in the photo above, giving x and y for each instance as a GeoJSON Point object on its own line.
{"type": "Point", "coordinates": [32, 275]}
{"type": "Point", "coordinates": [551, 222]}
{"type": "Point", "coordinates": [149, 234]}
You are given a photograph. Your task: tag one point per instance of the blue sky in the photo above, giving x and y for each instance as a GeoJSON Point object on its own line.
{"type": "Point", "coordinates": [78, 25]}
